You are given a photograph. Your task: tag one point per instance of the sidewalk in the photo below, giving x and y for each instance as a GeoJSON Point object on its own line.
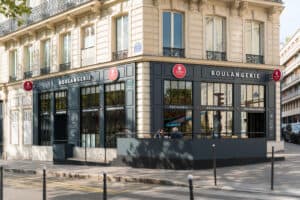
{"type": "Point", "coordinates": [248, 178]}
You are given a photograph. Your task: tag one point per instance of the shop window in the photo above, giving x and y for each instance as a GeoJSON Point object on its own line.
{"type": "Point", "coordinates": [89, 102]}
{"type": "Point", "coordinates": [45, 119]}
{"type": "Point", "coordinates": [254, 42]}
{"type": "Point", "coordinates": [253, 96]}
{"type": "Point", "coordinates": [215, 38]}
{"type": "Point", "coordinates": [13, 65]}
{"type": "Point", "coordinates": [178, 106]}
{"type": "Point", "coordinates": [121, 38]}
{"type": "Point", "coordinates": [115, 115]}
{"type": "Point", "coordinates": [61, 101]}
{"type": "Point", "coordinates": [173, 34]}
{"type": "Point", "coordinates": [216, 94]}
{"type": "Point", "coordinates": [216, 124]}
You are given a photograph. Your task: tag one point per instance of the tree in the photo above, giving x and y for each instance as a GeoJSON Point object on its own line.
{"type": "Point", "coordinates": [14, 9]}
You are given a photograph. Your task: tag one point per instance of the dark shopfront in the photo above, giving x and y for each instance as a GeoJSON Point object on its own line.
{"type": "Point", "coordinates": [86, 109]}
{"type": "Point", "coordinates": [233, 108]}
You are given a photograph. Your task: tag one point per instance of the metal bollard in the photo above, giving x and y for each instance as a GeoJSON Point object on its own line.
{"type": "Point", "coordinates": [44, 184]}
{"type": "Point", "coordinates": [104, 187]}
{"type": "Point", "coordinates": [190, 178]}
{"type": "Point", "coordinates": [1, 183]}
{"type": "Point", "coordinates": [272, 169]}
{"type": "Point", "coordinates": [214, 163]}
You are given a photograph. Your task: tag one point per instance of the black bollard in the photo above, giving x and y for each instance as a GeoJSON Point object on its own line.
{"type": "Point", "coordinates": [272, 170]}
{"type": "Point", "coordinates": [104, 187]}
{"type": "Point", "coordinates": [1, 183]}
{"type": "Point", "coordinates": [44, 184]}
{"type": "Point", "coordinates": [214, 163]}
{"type": "Point", "coordinates": [190, 178]}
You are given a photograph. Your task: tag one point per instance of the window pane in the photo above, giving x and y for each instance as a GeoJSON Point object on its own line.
{"type": "Point", "coordinates": [125, 31]}
{"type": "Point", "coordinates": [218, 32]}
{"type": "Point", "coordinates": [203, 93]}
{"type": "Point", "coordinates": [182, 119]}
{"type": "Point", "coordinates": [178, 93]}
{"type": "Point", "coordinates": [217, 94]}
{"type": "Point", "coordinates": [178, 24]}
{"type": "Point", "coordinates": [248, 36]}
{"type": "Point", "coordinates": [119, 34]}
{"type": "Point", "coordinates": [166, 29]}
{"type": "Point", "coordinates": [210, 97]}
{"type": "Point", "coordinates": [261, 96]}
{"type": "Point", "coordinates": [209, 33]}
{"type": "Point", "coordinates": [66, 57]}
{"type": "Point", "coordinates": [229, 95]}
{"type": "Point", "coordinates": [255, 39]}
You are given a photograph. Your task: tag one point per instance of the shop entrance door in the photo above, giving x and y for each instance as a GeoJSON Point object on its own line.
{"type": "Point", "coordinates": [256, 125]}
{"type": "Point", "coordinates": [60, 129]}
{"type": "Point", "coordinates": [1, 127]}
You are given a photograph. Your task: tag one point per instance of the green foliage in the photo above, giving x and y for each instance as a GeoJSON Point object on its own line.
{"type": "Point", "coordinates": [14, 9]}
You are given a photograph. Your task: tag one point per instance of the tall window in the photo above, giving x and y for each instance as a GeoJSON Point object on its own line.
{"type": "Point", "coordinates": [178, 106]}
{"type": "Point", "coordinates": [121, 38]}
{"type": "Point", "coordinates": [115, 115]}
{"type": "Point", "coordinates": [88, 37]}
{"type": "Point", "coordinates": [45, 119]}
{"type": "Point", "coordinates": [46, 54]}
{"type": "Point", "coordinates": [216, 117]}
{"type": "Point", "coordinates": [28, 51]}
{"type": "Point", "coordinates": [90, 116]}
{"type": "Point", "coordinates": [173, 34]}
{"type": "Point", "coordinates": [254, 42]}
{"type": "Point", "coordinates": [66, 49]}
{"type": "Point", "coordinates": [216, 38]}
{"type": "Point", "coordinates": [13, 58]}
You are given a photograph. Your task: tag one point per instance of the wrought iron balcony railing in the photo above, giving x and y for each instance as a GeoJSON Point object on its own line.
{"type": "Point", "coordinates": [45, 10]}
{"type": "Point", "coordinates": [120, 55]}
{"type": "Point", "coordinates": [12, 78]}
{"type": "Point", "coordinates": [173, 52]}
{"type": "Point", "coordinates": [28, 74]}
{"type": "Point", "coordinates": [216, 55]}
{"type": "Point", "coordinates": [64, 66]}
{"type": "Point", "coordinates": [45, 70]}
{"type": "Point", "coordinates": [256, 59]}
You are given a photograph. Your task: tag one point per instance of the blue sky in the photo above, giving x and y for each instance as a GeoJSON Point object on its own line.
{"type": "Point", "coordinates": [290, 19]}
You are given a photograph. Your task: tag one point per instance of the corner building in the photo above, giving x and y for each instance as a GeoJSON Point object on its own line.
{"type": "Point", "coordinates": [104, 68]}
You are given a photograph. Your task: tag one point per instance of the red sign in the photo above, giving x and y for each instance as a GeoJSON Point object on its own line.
{"type": "Point", "coordinates": [113, 74]}
{"type": "Point", "coordinates": [179, 71]}
{"type": "Point", "coordinates": [27, 85]}
{"type": "Point", "coordinates": [276, 75]}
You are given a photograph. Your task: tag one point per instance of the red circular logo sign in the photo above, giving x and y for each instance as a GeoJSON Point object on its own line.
{"type": "Point", "coordinates": [179, 71]}
{"type": "Point", "coordinates": [113, 74]}
{"type": "Point", "coordinates": [27, 85]}
{"type": "Point", "coordinates": [276, 75]}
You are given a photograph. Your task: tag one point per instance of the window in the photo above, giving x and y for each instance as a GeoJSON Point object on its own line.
{"type": "Point", "coordinates": [115, 115]}
{"type": "Point", "coordinates": [14, 124]}
{"type": "Point", "coordinates": [121, 38]}
{"type": "Point", "coordinates": [178, 102]}
{"type": "Point", "coordinates": [46, 54]}
{"type": "Point", "coordinates": [45, 119]}
{"type": "Point", "coordinates": [173, 34]}
{"type": "Point", "coordinates": [253, 96]}
{"type": "Point", "coordinates": [61, 101]}
{"type": "Point", "coordinates": [254, 42]}
{"type": "Point", "coordinates": [13, 58]}
{"type": "Point", "coordinates": [65, 51]}
{"type": "Point", "coordinates": [90, 116]}
{"type": "Point", "coordinates": [28, 51]}
{"type": "Point", "coordinates": [215, 38]}
{"type": "Point", "coordinates": [216, 94]}
{"type": "Point", "coordinates": [88, 37]}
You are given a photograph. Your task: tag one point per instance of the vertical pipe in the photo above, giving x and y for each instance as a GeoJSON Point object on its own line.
{"type": "Point", "coordinates": [214, 163]}
{"type": "Point", "coordinates": [1, 183]}
{"type": "Point", "coordinates": [190, 178]}
{"type": "Point", "coordinates": [104, 187]}
{"type": "Point", "coordinates": [272, 169]}
{"type": "Point", "coordinates": [44, 184]}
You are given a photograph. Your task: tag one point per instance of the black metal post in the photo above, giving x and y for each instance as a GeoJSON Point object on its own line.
{"type": "Point", "coordinates": [272, 170]}
{"type": "Point", "coordinates": [105, 150]}
{"type": "Point", "coordinates": [104, 187]}
{"type": "Point", "coordinates": [190, 178]}
{"type": "Point", "coordinates": [1, 183]}
{"type": "Point", "coordinates": [214, 163]}
{"type": "Point", "coordinates": [44, 185]}
{"type": "Point", "coordinates": [85, 153]}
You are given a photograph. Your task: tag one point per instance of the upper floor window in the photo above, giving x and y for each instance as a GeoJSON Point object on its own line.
{"type": "Point", "coordinates": [13, 62]}
{"type": "Point", "coordinates": [28, 51]}
{"type": "Point", "coordinates": [46, 54]}
{"type": "Point", "coordinates": [254, 42]}
{"type": "Point", "coordinates": [215, 38]}
{"type": "Point", "coordinates": [121, 38]}
{"type": "Point", "coordinates": [65, 48]}
{"type": "Point", "coordinates": [173, 34]}
{"type": "Point", "coordinates": [88, 37]}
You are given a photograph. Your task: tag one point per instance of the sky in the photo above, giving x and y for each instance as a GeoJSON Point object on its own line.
{"type": "Point", "coordinates": [290, 19]}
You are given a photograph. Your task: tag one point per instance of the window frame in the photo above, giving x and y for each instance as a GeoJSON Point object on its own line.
{"type": "Point", "coordinates": [261, 37]}
{"type": "Point", "coordinates": [124, 41]}
{"type": "Point", "coordinates": [63, 59]}
{"type": "Point", "coordinates": [214, 35]}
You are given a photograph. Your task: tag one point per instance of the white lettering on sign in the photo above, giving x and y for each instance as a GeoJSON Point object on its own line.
{"type": "Point", "coordinates": [218, 73]}
{"type": "Point", "coordinates": [72, 80]}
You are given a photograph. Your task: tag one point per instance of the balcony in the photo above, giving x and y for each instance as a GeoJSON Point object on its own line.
{"type": "Point", "coordinates": [216, 55]}
{"type": "Point", "coordinates": [291, 96]}
{"type": "Point", "coordinates": [43, 11]}
{"type": "Point", "coordinates": [120, 55]}
{"type": "Point", "coordinates": [88, 56]}
{"type": "Point", "coordinates": [45, 70]}
{"type": "Point", "coordinates": [173, 52]}
{"type": "Point", "coordinates": [255, 59]}
{"type": "Point", "coordinates": [64, 67]}
{"type": "Point", "coordinates": [12, 78]}
{"type": "Point", "coordinates": [27, 74]}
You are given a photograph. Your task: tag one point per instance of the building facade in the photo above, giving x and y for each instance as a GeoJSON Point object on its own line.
{"type": "Point", "coordinates": [289, 58]}
{"type": "Point", "coordinates": [100, 69]}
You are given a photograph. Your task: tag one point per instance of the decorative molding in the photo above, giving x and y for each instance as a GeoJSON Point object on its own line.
{"type": "Point", "coordinates": [202, 5]}
{"type": "Point", "coordinates": [71, 19]}
{"type": "Point", "coordinates": [243, 8]}
{"type": "Point", "coordinates": [50, 27]}
{"type": "Point", "coordinates": [234, 7]}
{"type": "Point", "coordinates": [273, 11]}
{"type": "Point", "coordinates": [155, 2]}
